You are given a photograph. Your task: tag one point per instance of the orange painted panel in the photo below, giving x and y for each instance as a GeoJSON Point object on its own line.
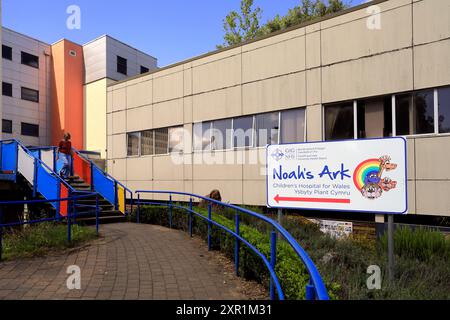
{"type": "Point", "coordinates": [68, 96]}
{"type": "Point", "coordinates": [82, 168]}
{"type": "Point", "coordinates": [64, 205]}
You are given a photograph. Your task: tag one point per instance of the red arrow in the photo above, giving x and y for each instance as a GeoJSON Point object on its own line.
{"type": "Point", "coordinates": [279, 199]}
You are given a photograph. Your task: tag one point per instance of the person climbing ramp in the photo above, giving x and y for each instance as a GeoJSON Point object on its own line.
{"type": "Point", "coordinates": [65, 153]}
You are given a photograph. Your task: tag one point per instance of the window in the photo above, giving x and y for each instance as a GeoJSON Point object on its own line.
{"type": "Point", "coordinates": [122, 65]}
{"type": "Point", "coordinates": [147, 145]}
{"type": "Point", "coordinates": [243, 132]}
{"type": "Point", "coordinates": [133, 144]}
{"type": "Point", "coordinates": [144, 69]}
{"type": "Point", "coordinates": [7, 89]}
{"type": "Point", "coordinates": [267, 128]}
{"type": "Point", "coordinates": [6, 126]}
{"type": "Point", "coordinates": [414, 113]}
{"type": "Point", "coordinates": [30, 60]}
{"type": "Point", "coordinates": [444, 110]}
{"type": "Point", "coordinates": [293, 126]}
{"type": "Point", "coordinates": [339, 122]}
{"type": "Point", "coordinates": [375, 117]}
{"type": "Point", "coordinates": [6, 52]}
{"type": "Point", "coordinates": [31, 130]}
{"type": "Point", "coordinates": [30, 94]}
{"type": "Point", "coordinates": [202, 136]}
{"type": "Point", "coordinates": [161, 141]}
{"type": "Point", "coordinates": [176, 139]}
{"type": "Point", "coordinates": [221, 134]}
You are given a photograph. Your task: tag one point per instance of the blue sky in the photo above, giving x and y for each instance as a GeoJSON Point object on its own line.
{"type": "Point", "coordinates": [171, 30]}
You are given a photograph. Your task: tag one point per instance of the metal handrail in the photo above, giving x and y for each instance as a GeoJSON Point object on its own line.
{"type": "Point", "coordinates": [316, 288]}
{"type": "Point", "coordinates": [105, 173]}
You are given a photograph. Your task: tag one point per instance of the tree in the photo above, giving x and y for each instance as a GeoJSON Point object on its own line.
{"type": "Point", "coordinates": [245, 26]}
{"type": "Point", "coordinates": [242, 26]}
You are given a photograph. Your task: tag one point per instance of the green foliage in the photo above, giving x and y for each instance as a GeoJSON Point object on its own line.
{"type": "Point", "coordinates": [39, 239]}
{"type": "Point", "coordinates": [289, 269]}
{"type": "Point", "coordinates": [241, 26]}
{"type": "Point", "coordinates": [245, 25]}
{"type": "Point", "coordinates": [422, 243]}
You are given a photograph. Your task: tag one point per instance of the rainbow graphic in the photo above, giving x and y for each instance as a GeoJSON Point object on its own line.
{"type": "Point", "coordinates": [364, 170]}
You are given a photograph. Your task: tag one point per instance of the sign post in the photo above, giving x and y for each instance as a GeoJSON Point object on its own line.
{"type": "Point", "coordinates": [368, 175]}
{"type": "Point", "coordinates": [391, 247]}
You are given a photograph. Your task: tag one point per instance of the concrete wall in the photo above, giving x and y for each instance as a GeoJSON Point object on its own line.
{"type": "Point", "coordinates": [19, 75]}
{"type": "Point", "coordinates": [332, 60]}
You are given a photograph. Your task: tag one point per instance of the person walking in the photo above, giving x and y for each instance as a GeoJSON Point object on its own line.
{"type": "Point", "coordinates": [65, 153]}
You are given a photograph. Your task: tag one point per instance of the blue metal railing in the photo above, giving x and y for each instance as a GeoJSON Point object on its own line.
{"type": "Point", "coordinates": [314, 290]}
{"type": "Point", "coordinates": [71, 218]}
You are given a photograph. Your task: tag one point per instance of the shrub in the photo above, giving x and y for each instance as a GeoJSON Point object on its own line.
{"type": "Point", "coordinates": [420, 243]}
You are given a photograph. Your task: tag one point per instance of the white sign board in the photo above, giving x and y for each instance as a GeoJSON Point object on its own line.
{"type": "Point", "coordinates": [336, 229]}
{"type": "Point", "coordinates": [355, 175]}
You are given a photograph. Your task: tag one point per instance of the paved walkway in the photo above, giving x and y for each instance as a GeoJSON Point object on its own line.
{"type": "Point", "coordinates": [130, 261]}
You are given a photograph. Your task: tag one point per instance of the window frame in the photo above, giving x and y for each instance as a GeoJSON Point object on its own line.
{"type": "Point", "coordinates": [24, 54]}
{"type": "Point", "coordinates": [253, 138]}
{"type": "Point", "coordinates": [3, 126]}
{"type": "Point", "coordinates": [143, 68]}
{"type": "Point", "coordinates": [10, 50]}
{"type": "Point", "coordinates": [139, 144]}
{"type": "Point", "coordinates": [36, 126]}
{"type": "Point", "coordinates": [123, 64]}
{"type": "Point", "coordinates": [3, 89]}
{"type": "Point", "coordinates": [31, 90]}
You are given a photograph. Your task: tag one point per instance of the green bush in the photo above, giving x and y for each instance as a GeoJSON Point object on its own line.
{"type": "Point", "coordinates": [421, 243]}
{"type": "Point", "coordinates": [289, 269]}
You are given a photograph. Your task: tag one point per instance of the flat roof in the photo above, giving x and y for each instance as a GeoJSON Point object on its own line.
{"type": "Point", "coordinates": [273, 34]}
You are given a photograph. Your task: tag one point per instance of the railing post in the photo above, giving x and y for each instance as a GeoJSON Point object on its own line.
{"type": "Point", "coordinates": [75, 211]}
{"type": "Point", "coordinates": [91, 167]}
{"type": "Point", "coordinates": [236, 246]}
{"type": "Point", "coordinates": [97, 208]}
{"type": "Point", "coordinates": [170, 211]}
{"type": "Point", "coordinates": [69, 231]}
{"type": "Point", "coordinates": [273, 261]}
{"type": "Point", "coordinates": [310, 291]}
{"type": "Point", "coordinates": [190, 217]}
{"type": "Point", "coordinates": [138, 211]}
{"type": "Point", "coordinates": [209, 226]}
{"type": "Point", "coordinates": [1, 232]}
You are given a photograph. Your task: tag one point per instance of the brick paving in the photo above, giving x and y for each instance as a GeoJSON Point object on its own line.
{"type": "Point", "coordinates": [130, 261]}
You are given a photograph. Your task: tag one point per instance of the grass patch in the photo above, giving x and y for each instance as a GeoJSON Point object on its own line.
{"type": "Point", "coordinates": [42, 238]}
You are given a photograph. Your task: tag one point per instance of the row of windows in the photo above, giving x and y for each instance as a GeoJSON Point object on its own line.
{"type": "Point", "coordinates": [122, 66]}
{"type": "Point", "coordinates": [250, 131]}
{"type": "Point", "coordinates": [419, 112]}
{"type": "Point", "coordinates": [242, 132]}
{"type": "Point", "coordinates": [26, 93]}
{"type": "Point", "coordinates": [27, 129]}
{"type": "Point", "coordinates": [26, 58]}
{"type": "Point", "coordinates": [155, 142]}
